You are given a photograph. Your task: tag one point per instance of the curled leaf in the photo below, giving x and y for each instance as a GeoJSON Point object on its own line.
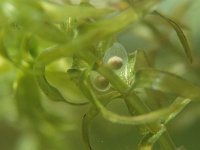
{"type": "Point", "coordinates": [180, 35]}
{"type": "Point", "coordinates": [91, 114]}
{"type": "Point", "coordinates": [154, 116]}
{"type": "Point", "coordinates": [86, 121]}
{"type": "Point", "coordinates": [48, 89]}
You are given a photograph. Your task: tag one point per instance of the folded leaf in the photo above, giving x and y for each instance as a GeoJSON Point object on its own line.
{"type": "Point", "coordinates": [167, 83]}
{"type": "Point", "coordinates": [48, 89]}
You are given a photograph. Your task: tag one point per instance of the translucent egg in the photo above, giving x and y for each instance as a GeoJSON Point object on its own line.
{"type": "Point", "coordinates": [115, 62]}
{"type": "Point", "coordinates": [99, 82]}
{"type": "Point", "coordinates": [116, 57]}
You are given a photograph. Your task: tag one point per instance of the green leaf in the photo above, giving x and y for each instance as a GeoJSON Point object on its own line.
{"type": "Point", "coordinates": [28, 99]}
{"type": "Point", "coordinates": [62, 82]}
{"type": "Point", "coordinates": [180, 35]}
{"type": "Point", "coordinates": [3, 50]}
{"type": "Point", "coordinates": [60, 12]}
{"type": "Point", "coordinates": [137, 60]}
{"type": "Point", "coordinates": [167, 83]}
{"type": "Point", "coordinates": [98, 28]}
{"type": "Point", "coordinates": [50, 91]}
{"type": "Point", "coordinates": [151, 117]}
{"type": "Point", "coordinates": [149, 139]}
{"type": "Point", "coordinates": [86, 121]}
{"type": "Point", "coordinates": [41, 17]}
{"type": "Point", "coordinates": [92, 113]}
{"type": "Point", "coordinates": [143, 6]}
{"type": "Point", "coordinates": [30, 44]}
{"type": "Point", "coordinates": [50, 32]}
{"type": "Point", "coordinates": [7, 48]}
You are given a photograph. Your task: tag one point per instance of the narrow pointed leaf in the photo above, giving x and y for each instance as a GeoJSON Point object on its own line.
{"type": "Point", "coordinates": [180, 35]}
{"type": "Point", "coordinates": [148, 140]}
{"type": "Point", "coordinates": [137, 59]}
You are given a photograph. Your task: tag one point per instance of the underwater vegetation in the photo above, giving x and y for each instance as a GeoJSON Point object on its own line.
{"type": "Point", "coordinates": [99, 75]}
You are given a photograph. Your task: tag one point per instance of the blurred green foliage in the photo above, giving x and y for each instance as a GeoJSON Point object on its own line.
{"type": "Point", "coordinates": [52, 51]}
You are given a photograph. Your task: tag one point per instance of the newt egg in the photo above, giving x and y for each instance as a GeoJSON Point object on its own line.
{"type": "Point", "coordinates": [115, 62]}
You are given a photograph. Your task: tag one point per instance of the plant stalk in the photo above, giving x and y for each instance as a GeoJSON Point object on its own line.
{"type": "Point", "coordinates": [135, 105]}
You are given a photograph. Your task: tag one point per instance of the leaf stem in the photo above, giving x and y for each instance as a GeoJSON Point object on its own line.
{"type": "Point", "coordinates": [134, 103]}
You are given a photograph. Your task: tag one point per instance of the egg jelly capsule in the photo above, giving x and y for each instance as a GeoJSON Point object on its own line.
{"type": "Point", "coordinates": [116, 57]}
{"type": "Point", "coordinates": [99, 82]}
